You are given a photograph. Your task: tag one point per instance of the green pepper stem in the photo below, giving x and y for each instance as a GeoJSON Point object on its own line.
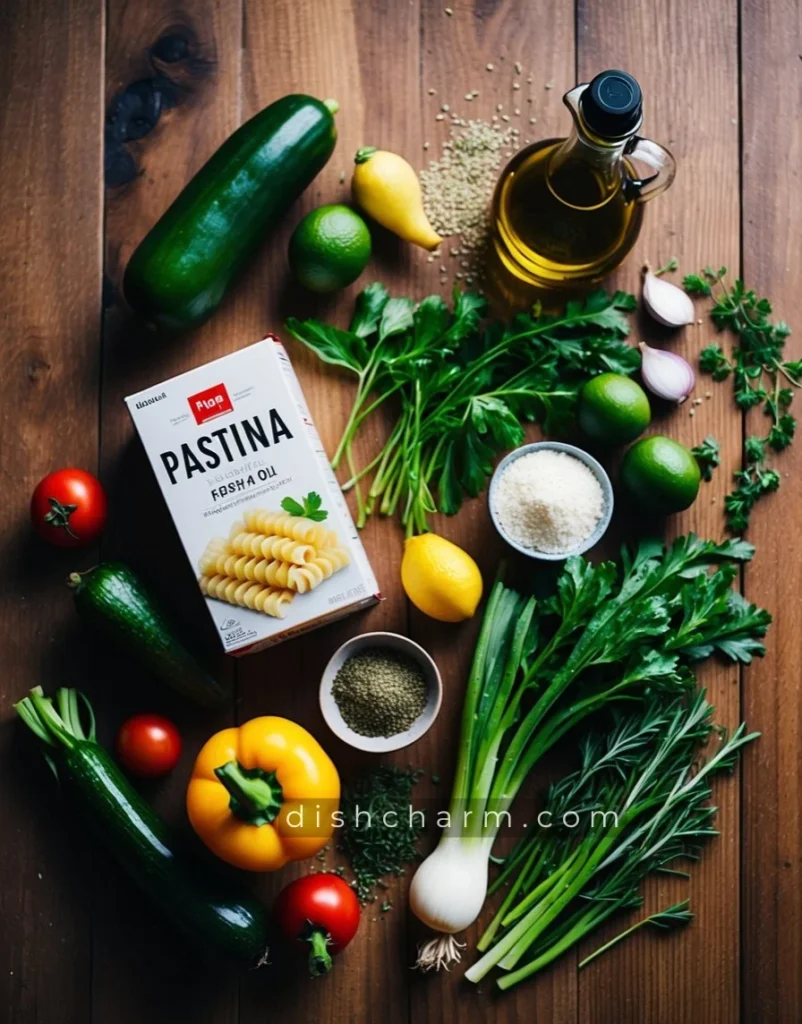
{"type": "Point", "coordinates": [319, 956]}
{"type": "Point", "coordinates": [363, 154]}
{"type": "Point", "coordinates": [256, 795]}
{"type": "Point", "coordinates": [332, 105]}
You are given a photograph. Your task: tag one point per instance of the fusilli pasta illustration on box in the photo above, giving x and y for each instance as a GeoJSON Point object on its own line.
{"type": "Point", "coordinates": [270, 557]}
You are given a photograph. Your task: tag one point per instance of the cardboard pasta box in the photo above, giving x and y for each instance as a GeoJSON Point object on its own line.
{"type": "Point", "coordinates": [260, 514]}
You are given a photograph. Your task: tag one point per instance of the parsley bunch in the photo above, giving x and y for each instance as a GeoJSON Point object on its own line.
{"type": "Point", "coordinates": [461, 392]}
{"type": "Point", "coordinates": [760, 376]}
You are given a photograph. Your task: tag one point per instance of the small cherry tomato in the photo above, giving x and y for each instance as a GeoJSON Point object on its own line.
{"type": "Point", "coordinates": [148, 745]}
{"type": "Point", "coordinates": [68, 508]}
{"type": "Point", "coordinates": [321, 910]}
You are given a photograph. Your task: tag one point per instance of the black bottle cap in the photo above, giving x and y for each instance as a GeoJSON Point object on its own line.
{"type": "Point", "coordinates": [612, 104]}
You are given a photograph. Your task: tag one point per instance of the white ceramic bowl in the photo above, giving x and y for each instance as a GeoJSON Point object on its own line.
{"type": "Point", "coordinates": [381, 744]}
{"type": "Point", "coordinates": [598, 471]}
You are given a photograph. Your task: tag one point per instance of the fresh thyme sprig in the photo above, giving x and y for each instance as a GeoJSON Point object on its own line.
{"type": "Point", "coordinates": [761, 377]}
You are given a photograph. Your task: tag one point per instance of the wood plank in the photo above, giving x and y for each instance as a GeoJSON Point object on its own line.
{"type": "Point", "coordinates": [184, 61]}
{"type": "Point", "coordinates": [367, 57]}
{"type": "Point", "coordinates": [679, 53]}
{"type": "Point", "coordinates": [772, 807]}
{"type": "Point", "coordinates": [456, 52]}
{"type": "Point", "coordinates": [50, 283]}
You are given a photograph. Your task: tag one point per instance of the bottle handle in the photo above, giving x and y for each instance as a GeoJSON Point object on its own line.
{"type": "Point", "coordinates": [655, 156]}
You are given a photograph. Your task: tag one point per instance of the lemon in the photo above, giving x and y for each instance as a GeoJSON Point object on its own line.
{"type": "Point", "coordinates": [662, 474]}
{"type": "Point", "coordinates": [440, 579]}
{"type": "Point", "coordinates": [613, 409]}
{"type": "Point", "coordinates": [329, 249]}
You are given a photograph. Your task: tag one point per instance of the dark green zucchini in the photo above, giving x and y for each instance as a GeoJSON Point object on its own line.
{"type": "Point", "coordinates": [180, 272]}
{"type": "Point", "coordinates": [213, 914]}
{"type": "Point", "coordinates": [111, 598]}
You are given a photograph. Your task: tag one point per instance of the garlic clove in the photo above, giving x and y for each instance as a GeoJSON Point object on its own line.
{"type": "Point", "coordinates": [667, 303]}
{"type": "Point", "coordinates": [666, 374]}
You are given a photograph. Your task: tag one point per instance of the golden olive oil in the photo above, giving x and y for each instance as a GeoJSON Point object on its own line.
{"type": "Point", "coordinates": [567, 211]}
{"type": "Point", "coordinates": [559, 225]}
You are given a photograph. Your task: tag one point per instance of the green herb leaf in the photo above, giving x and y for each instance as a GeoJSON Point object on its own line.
{"type": "Point", "coordinates": [370, 304]}
{"type": "Point", "coordinates": [333, 346]}
{"type": "Point", "coordinates": [396, 318]}
{"type": "Point", "coordinates": [310, 509]}
{"type": "Point", "coordinates": [707, 454]}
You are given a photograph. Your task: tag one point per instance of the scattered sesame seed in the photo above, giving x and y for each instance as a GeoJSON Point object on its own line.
{"type": "Point", "coordinates": [505, 117]}
{"type": "Point", "coordinates": [430, 259]}
{"type": "Point", "coordinates": [692, 412]}
{"type": "Point", "coordinates": [474, 93]}
{"type": "Point", "coordinates": [426, 145]}
{"type": "Point", "coordinates": [469, 96]}
{"type": "Point", "coordinates": [445, 108]}
{"type": "Point", "coordinates": [342, 177]}
{"type": "Point", "coordinates": [518, 67]}
{"type": "Point", "coordinates": [439, 117]}
{"type": "Point", "coordinates": [549, 85]}
{"type": "Point", "coordinates": [499, 107]}
{"type": "Point", "coordinates": [699, 320]}
{"type": "Point", "coordinates": [431, 92]}
{"type": "Point", "coordinates": [517, 111]}
{"type": "Point", "coordinates": [516, 85]}
{"type": "Point", "coordinates": [529, 80]}
{"type": "Point", "coordinates": [458, 275]}
{"type": "Point", "coordinates": [489, 67]}
{"type": "Point", "coordinates": [458, 187]}
{"type": "Point", "coordinates": [708, 394]}
{"type": "Point", "coordinates": [533, 120]}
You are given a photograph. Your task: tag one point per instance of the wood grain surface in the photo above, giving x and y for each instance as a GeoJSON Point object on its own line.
{"type": "Point", "coordinates": [108, 108]}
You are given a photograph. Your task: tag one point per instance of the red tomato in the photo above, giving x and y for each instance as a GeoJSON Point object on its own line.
{"type": "Point", "coordinates": [148, 745]}
{"type": "Point", "coordinates": [68, 508]}
{"type": "Point", "coordinates": [321, 910]}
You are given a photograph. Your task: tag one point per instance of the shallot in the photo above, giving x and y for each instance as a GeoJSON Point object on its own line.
{"type": "Point", "coordinates": [666, 374]}
{"type": "Point", "coordinates": [667, 303]}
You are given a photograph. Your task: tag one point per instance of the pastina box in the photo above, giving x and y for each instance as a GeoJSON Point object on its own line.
{"type": "Point", "coordinates": [260, 514]}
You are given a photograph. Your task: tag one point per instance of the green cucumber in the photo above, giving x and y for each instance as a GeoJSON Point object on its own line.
{"type": "Point", "coordinates": [183, 268]}
{"type": "Point", "coordinates": [216, 916]}
{"type": "Point", "coordinates": [111, 598]}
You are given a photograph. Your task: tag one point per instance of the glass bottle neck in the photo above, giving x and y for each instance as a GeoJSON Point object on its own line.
{"type": "Point", "coordinates": [585, 173]}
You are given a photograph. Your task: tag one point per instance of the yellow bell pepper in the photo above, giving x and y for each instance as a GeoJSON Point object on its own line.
{"type": "Point", "coordinates": [263, 794]}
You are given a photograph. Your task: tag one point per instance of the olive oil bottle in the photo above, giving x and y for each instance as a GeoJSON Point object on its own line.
{"type": "Point", "coordinates": [567, 211]}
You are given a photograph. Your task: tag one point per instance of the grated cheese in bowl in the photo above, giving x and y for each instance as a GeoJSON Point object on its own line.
{"type": "Point", "coordinates": [548, 501]}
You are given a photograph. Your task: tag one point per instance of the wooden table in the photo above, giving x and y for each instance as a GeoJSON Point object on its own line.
{"type": "Point", "coordinates": [723, 89]}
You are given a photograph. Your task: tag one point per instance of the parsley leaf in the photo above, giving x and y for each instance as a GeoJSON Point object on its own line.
{"type": "Point", "coordinates": [761, 377]}
{"type": "Point", "coordinates": [707, 455]}
{"type": "Point", "coordinates": [310, 509]}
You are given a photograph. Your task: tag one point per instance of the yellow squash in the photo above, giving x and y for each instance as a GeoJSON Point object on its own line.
{"type": "Point", "coordinates": [263, 794]}
{"type": "Point", "coordinates": [387, 189]}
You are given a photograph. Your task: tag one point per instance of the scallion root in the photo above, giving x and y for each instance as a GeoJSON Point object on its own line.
{"type": "Point", "coordinates": [440, 952]}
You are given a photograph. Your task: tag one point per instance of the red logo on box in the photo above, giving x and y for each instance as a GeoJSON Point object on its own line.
{"type": "Point", "coordinates": [208, 404]}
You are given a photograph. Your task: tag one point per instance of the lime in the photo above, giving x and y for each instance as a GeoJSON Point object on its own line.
{"type": "Point", "coordinates": [613, 409]}
{"type": "Point", "coordinates": [662, 474]}
{"type": "Point", "coordinates": [329, 249]}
